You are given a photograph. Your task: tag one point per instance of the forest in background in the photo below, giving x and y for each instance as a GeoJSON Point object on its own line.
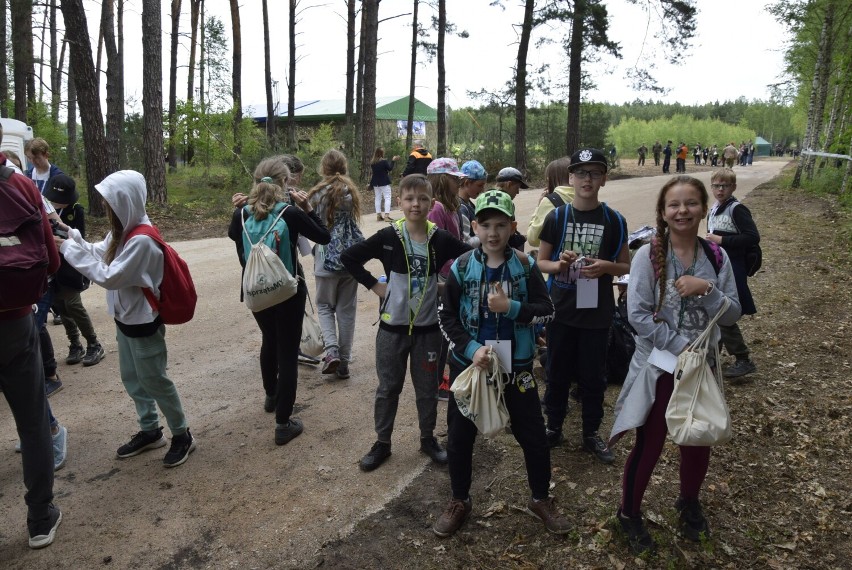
{"type": "Point", "coordinates": [52, 76]}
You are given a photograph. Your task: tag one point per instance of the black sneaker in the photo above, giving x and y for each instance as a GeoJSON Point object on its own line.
{"type": "Point", "coordinates": [57, 319]}
{"type": "Point", "coordinates": [692, 523]}
{"type": "Point", "coordinates": [142, 441]}
{"type": "Point", "coordinates": [554, 437]}
{"type": "Point", "coordinates": [43, 532]}
{"type": "Point", "coordinates": [741, 367]}
{"type": "Point", "coordinates": [94, 354]}
{"type": "Point", "coordinates": [638, 537]}
{"type": "Point", "coordinates": [76, 352]}
{"type": "Point", "coordinates": [594, 444]}
{"type": "Point", "coordinates": [431, 447]}
{"type": "Point", "coordinates": [288, 432]}
{"type": "Point", "coordinates": [343, 371]}
{"type": "Point", "coordinates": [51, 387]}
{"type": "Point", "coordinates": [182, 446]}
{"type": "Point", "coordinates": [376, 456]}
{"type": "Point", "coordinates": [269, 404]}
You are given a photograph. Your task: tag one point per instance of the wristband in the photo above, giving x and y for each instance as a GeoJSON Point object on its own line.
{"type": "Point", "coordinates": [709, 290]}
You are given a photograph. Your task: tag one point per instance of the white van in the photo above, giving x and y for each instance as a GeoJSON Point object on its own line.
{"type": "Point", "coordinates": [15, 136]}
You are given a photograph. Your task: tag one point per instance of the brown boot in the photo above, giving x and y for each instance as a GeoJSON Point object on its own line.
{"type": "Point", "coordinates": [379, 217]}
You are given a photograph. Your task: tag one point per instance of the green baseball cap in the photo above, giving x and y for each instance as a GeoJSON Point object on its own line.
{"type": "Point", "coordinates": [495, 199]}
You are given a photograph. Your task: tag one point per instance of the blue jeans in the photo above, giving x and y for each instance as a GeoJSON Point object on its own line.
{"type": "Point", "coordinates": [22, 380]}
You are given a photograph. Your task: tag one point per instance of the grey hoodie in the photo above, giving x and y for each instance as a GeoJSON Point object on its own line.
{"type": "Point", "coordinates": [138, 263]}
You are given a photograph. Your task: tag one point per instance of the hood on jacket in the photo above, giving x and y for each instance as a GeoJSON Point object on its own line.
{"type": "Point", "coordinates": [126, 192]}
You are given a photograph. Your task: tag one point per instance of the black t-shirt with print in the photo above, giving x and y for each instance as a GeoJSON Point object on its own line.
{"type": "Point", "coordinates": [592, 235]}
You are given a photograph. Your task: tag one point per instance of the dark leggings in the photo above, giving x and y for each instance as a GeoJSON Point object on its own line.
{"type": "Point", "coordinates": [650, 439]}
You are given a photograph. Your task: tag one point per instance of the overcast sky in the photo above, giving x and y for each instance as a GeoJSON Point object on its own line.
{"type": "Point", "coordinates": [737, 51]}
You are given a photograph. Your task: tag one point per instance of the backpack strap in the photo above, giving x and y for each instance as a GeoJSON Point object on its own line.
{"type": "Point", "coordinates": [561, 213]}
{"type": "Point", "coordinates": [6, 172]}
{"type": "Point", "coordinates": [711, 250]}
{"type": "Point", "coordinates": [555, 199]}
{"type": "Point", "coordinates": [621, 224]}
{"type": "Point", "coordinates": [266, 233]}
{"type": "Point", "coordinates": [525, 261]}
{"type": "Point", "coordinates": [461, 264]}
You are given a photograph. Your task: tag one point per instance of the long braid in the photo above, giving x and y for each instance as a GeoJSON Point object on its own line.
{"type": "Point", "coordinates": [659, 250]}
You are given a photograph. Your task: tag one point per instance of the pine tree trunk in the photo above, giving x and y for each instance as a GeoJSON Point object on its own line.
{"type": "Point", "coordinates": [572, 138]}
{"type": "Point", "coordinates": [291, 80]}
{"type": "Point", "coordinates": [114, 104]}
{"type": "Point", "coordinates": [349, 137]}
{"type": "Point", "coordinates": [236, 75]}
{"type": "Point", "coordinates": [442, 80]}
{"type": "Point", "coordinates": [71, 129]}
{"type": "Point", "coordinates": [267, 79]}
{"type": "Point", "coordinates": [175, 17]}
{"type": "Point", "coordinates": [521, 89]}
{"type": "Point", "coordinates": [194, 13]}
{"type": "Point", "coordinates": [359, 90]}
{"type": "Point", "coordinates": [55, 67]}
{"type": "Point", "coordinates": [368, 45]}
{"type": "Point", "coordinates": [409, 130]}
{"type": "Point", "coordinates": [22, 52]}
{"type": "Point", "coordinates": [152, 102]}
{"type": "Point", "coordinates": [86, 89]}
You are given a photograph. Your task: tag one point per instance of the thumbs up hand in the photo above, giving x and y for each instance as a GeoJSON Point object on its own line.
{"type": "Point", "coordinates": [498, 302]}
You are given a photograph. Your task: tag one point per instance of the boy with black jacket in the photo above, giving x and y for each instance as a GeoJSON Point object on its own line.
{"type": "Point", "coordinates": [411, 251]}
{"type": "Point", "coordinates": [497, 294]}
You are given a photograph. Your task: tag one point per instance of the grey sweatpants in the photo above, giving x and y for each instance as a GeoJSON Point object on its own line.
{"type": "Point", "coordinates": [393, 351]}
{"type": "Point", "coordinates": [337, 302]}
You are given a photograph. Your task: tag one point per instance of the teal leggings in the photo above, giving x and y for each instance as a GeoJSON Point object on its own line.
{"type": "Point", "coordinates": [142, 362]}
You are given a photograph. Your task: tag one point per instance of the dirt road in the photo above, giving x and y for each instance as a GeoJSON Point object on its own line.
{"type": "Point", "coordinates": [240, 500]}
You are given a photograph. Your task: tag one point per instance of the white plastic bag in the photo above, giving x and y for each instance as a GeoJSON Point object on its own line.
{"type": "Point", "coordinates": [480, 398]}
{"type": "Point", "coordinates": [266, 281]}
{"type": "Point", "coordinates": [312, 342]}
{"type": "Point", "coordinates": [697, 414]}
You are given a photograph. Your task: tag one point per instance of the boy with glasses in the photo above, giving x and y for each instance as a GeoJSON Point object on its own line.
{"type": "Point", "coordinates": [730, 225]}
{"type": "Point", "coordinates": [583, 245]}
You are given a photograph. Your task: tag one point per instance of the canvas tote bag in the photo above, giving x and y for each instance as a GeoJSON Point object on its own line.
{"type": "Point", "coordinates": [697, 414]}
{"type": "Point", "coordinates": [266, 281]}
{"type": "Point", "coordinates": [480, 398]}
{"type": "Point", "coordinates": [312, 342]}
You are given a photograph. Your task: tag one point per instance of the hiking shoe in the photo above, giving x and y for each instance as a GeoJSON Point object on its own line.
{"type": "Point", "coordinates": [379, 218]}
{"type": "Point", "coordinates": [343, 371]}
{"type": "Point", "coordinates": [43, 532]}
{"type": "Point", "coordinates": [554, 437]}
{"type": "Point", "coordinates": [60, 448]}
{"type": "Point", "coordinates": [692, 523]}
{"type": "Point", "coordinates": [269, 404]}
{"type": "Point", "coordinates": [638, 537]}
{"type": "Point", "coordinates": [51, 387]}
{"type": "Point", "coordinates": [549, 514]}
{"type": "Point", "coordinates": [376, 456]}
{"type": "Point", "coordinates": [594, 444]}
{"type": "Point", "coordinates": [76, 352]}
{"type": "Point", "coordinates": [182, 446]}
{"type": "Point", "coordinates": [307, 359]}
{"type": "Point", "coordinates": [142, 441]}
{"type": "Point", "coordinates": [741, 367]}
{"type": "Point", "coordinates": [431, 447]}
{"type": "Point", "coordinates": [285, 433]}
{"type": "Point", "coordinates": [331, 361]}
{"type": "Point", "coordinates": [57, 319]}
{"type": "Point", "coordinates": [453, 517]}
{"type": "Point", "coordinates": [94, 354]}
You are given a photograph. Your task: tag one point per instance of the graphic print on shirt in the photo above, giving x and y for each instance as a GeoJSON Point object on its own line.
{"type": "Point", "coordinates": [585, 240]}
{"type": "Point", "coordinates": [417, 264]}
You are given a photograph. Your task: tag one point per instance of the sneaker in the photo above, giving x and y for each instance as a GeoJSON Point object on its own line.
{"type": "Point", "coordinates": [692, 523]}
{"type": "Point", "coordinates": [741, 367]}
{"type": "Point", "coordinates": [308, 359]}
{"type": "Point", "coordinates": [269, 404]}
{"type": "Point", "coordinates": [51, 387]}
{"type": "Point", "coordinates": [43, 532]}
{"type": "Point", "coordinates": [387, 218]}
{"type": "Point", "coordinates": [444, 388]}
{"type": "Point", "coordinates": [549, 514]}
{"type": "Point", "coordinates": [379, 218]}
{"type": "Point", "coordinates": [638, 537]}
{"type": "Point", "coordinates": [94, 354]}
{"type": "Point", "coordinates": [330, 362]}
{"type": "Point", "coordinates": [376, 456]}
{"type": "Point", "coordinates": [60, 448]}
{"type": "Point", "coordinates": [431, 447]}
{"type": "Point", "coordinates": [594, 444]}
{"type": "Point", "coordinates": [554, 437]}
{"type": "Point", "coordinates": [57, 319]}
{"type": "Point", "coordinates": [285, 433]}
{"type": "Point", "coordinates": [182, 446]}
{"type": "Point", "coordinates": [343, 371]}
{"type": "Point", "coordinates": [76, 352]}
{"type": "Point", "coordinates": [142, 441]}
{"type": "Point", "coordinates": [453, 517]}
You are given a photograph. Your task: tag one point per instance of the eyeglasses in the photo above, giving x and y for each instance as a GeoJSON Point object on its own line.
{"type": "Point", "coordinates": [593, 174]}
{"type": "Point", "coordinates": [720, 186]}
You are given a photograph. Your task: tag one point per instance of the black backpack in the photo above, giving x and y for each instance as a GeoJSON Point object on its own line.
{"type": "Point", "coordinates": [621, 343]}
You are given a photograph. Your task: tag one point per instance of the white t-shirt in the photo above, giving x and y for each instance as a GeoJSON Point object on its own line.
{"type": "Point", "coordinates": [40, 178]}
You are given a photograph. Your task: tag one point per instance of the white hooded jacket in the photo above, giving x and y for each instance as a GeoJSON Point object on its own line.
{"type": "Point", "coordinates": [138, 263]}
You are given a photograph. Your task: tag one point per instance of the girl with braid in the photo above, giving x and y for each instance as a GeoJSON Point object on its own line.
{"type": "Point", "coordinates": [674, 291]}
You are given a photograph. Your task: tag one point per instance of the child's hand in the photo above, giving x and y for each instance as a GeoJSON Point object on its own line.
{"type": "Point", "coordinates": [300, 198]}
{"type": "Point", "coordinates": [395, 158]}
{"type": "Point", "coordinates": [595, 268]}
{"type": "Point", "coordinates": [688, 285]}
{"type": "Point", "coordinates": [380, 289]}
{"type": "Point", "coordinates": [58, 241]}
{"type": "Point", "coordinates": [498, 302]}
{"type": "Point", "coordinates": [480, 357]}
{"type": "Point", "coordinates": [239, 200]}
{"type": "Point", "coordinates": [714, 238]}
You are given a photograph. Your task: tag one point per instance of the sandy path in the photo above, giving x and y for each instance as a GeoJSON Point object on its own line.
{"type": "Point", "coordinates": [240, 501]}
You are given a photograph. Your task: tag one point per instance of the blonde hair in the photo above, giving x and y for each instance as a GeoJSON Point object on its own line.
{"type": "Point", "coordinates": [724, 175]}
{"type": "Point", "coordinates": [117, 232]}
{"type": "Point", "coordinates": [441, 190]}
{"type": "Point", "coordinates": [38, 146]}
{"type": "Point", "coordinates": [336, 182]}
{"type": "Point", "coordinates": [378, 155]}
{"type": "Point", "coordinates": [275, 167]}
{"type": "Point", "coordinates": [263, 197]}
